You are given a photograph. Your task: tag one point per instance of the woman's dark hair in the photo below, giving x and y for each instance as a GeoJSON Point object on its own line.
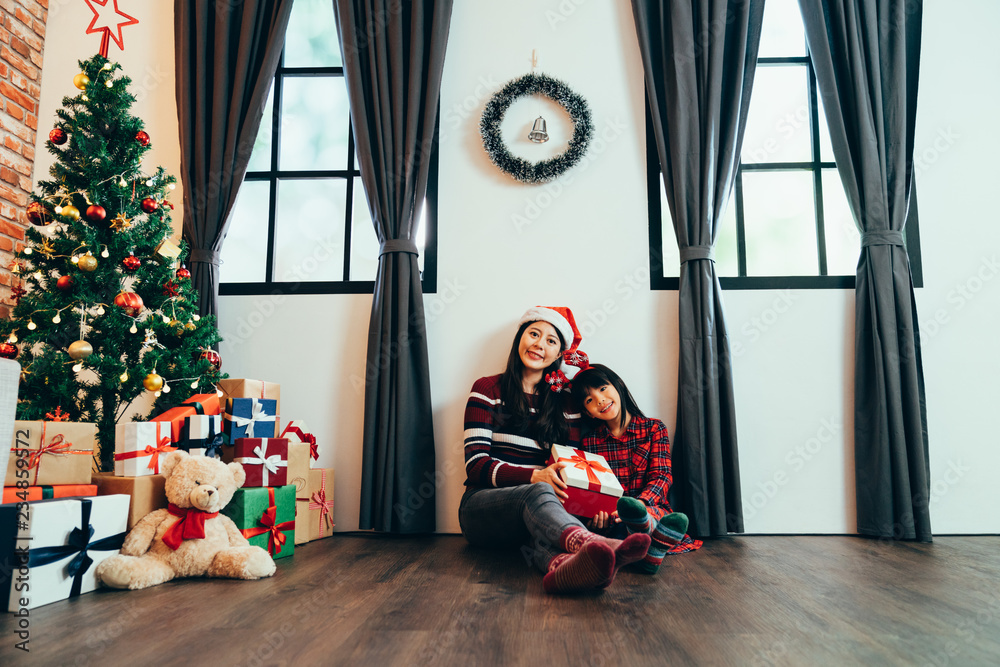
{"type": "Point", "coordinates": [595, 377]}
{"type": "Point", "coordinates": [549, 423]}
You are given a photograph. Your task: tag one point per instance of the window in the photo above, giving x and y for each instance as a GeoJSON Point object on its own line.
{"type": "Point", "coordinates": [301, 222]}
{"type": "Point", "coordinates": [787, 223]}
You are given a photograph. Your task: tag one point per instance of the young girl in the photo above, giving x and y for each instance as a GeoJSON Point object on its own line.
{"type": "Point", "coordinates": [638, 451]}
{"type": "Point", "coordinates": [512, 498]}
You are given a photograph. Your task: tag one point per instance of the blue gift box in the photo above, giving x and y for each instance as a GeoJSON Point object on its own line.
{"type": "Point", "coordinates": [250, 418]}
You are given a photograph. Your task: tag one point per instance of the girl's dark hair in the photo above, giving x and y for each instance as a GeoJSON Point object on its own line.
{"type": "Point", "coordinates": [549, 423]}
{"type": "Point", "coordinates": [595, 377]}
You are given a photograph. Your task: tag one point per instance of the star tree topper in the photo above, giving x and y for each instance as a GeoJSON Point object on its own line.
{"type": "Point", "coordinates": [108, 21]}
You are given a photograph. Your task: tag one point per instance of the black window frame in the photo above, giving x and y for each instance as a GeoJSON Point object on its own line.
{"type": "Point", "coordinates": [654, 178]}
{"type": "Point", "coordinates": [273, 175]}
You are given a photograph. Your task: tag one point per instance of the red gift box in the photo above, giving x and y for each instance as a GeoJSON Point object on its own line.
{"type": "Point", "coordinates": [199, 404]}
{"type": "Point", "coordinates": [591, 485]}
{"type": "Point", "coordinates": [12, 494]}
{"type": "Point", "coordinates": [265, 460]}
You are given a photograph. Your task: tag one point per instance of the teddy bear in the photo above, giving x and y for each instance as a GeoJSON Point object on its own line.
{"type": "Point", "coordinates": [190, 538]}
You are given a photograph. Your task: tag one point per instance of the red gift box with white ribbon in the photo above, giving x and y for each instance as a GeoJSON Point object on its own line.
{"type": "Point", "coordinates": [591, 485]}
{"type": "Point", "coordinates": [265, 460]}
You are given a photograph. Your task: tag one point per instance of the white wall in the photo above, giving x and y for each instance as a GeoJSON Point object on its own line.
{"type": "Point", "coordinates": [585, 246]}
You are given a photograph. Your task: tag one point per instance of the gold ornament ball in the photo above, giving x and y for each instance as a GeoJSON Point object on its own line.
{"type": "Point", "coordinates": [177, 326]}
{"type": "Point", "coordinates": [153, 382]}
{"type": "Point", "coordinates": [87, 263]}
{"type": "Point", "coordinates": [80, 349]}
{"type": "Point", "coordinates": [71, 212]}
{"type": "Point", "coordinates": [81, 80]}
{"type": "Point", "coordinates": [190, 326]}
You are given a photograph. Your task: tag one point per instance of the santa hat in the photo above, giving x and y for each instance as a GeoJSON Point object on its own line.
{"type": "Point", "coordinates": [561, 318]}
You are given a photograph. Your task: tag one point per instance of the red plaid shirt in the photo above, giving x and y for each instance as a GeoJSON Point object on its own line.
{"type": "Point", "coordinates": [640, 459]}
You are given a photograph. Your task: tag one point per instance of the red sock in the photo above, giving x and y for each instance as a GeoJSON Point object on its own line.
{"type": "Point", "coordinates": [630, 550]}
{"type": "Point", "coordinates": [593, 566]}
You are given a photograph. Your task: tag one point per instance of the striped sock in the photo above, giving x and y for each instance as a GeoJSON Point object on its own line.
{"type": "Point", "coordinates": [633, 514]}
{"type": "Point", "coordinates": [592, 567]}
{"type": "Point", "coordinates": [668, 532]}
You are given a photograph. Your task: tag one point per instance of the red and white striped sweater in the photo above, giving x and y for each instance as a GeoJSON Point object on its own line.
{"type": "Point", "coordinates": [496, 455]}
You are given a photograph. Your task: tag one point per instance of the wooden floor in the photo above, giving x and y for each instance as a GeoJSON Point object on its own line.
{"type": "Point", "coordinates": [363, 600]}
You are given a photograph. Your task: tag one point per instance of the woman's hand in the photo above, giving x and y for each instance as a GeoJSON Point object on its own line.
{"type": "Point", "coordinates": [551, 477]}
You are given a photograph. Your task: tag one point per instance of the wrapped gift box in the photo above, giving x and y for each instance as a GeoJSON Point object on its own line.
{"type": "Point", "coordinates": [266, 517]}
{"type": "Point", "coordinates": [54, 550]}
{"type": "Point", "coordinates": [314, 507]}
{"type": "Point", "coordinates": [140, 446]}
{"type": "Point", "coordinates": [146, 493]}
{"type": "Point", "coordinates": [245, 388]}
{"type": "Point", "coordinates": [199, 404]}
{"type": "Point", "coordinates": [297, 431]}
{"type": "Point", "coordinates": [265, 460]}
{"type": "Point", "coordinates": [592, 486]}
{"type": "Point", "coordinates": [202, 434]}
{"type": "Point", "coordinates": [298, 465]}
{"type": "Point", "coordinates": [250, 418]}
{"type": "Point", "coordinates": [12, 494]}
{"type": "Point", "coordinates": [51, 453]}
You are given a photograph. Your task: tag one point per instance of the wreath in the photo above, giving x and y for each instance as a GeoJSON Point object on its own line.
{"type": "Point", "coordinates": [555, 90]}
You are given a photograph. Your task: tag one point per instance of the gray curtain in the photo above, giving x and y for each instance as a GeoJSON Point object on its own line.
{"type": "Point", "coordinates": [226, 54]}
{"type": "Point", "coordinates": [866, 54]}
{"type": "Point", "coordinates": [393, 59]}
{"type": "Point", "coordinates": [699, 58]}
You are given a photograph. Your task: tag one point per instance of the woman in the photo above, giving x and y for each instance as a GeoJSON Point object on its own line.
{"type": "Point", "coordinates": [513, 498]}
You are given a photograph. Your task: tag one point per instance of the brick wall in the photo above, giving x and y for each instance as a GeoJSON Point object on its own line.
{"type": "Point", "coordinates": [22, 41]}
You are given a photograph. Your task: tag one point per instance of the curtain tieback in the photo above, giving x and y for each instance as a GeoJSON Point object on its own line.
{"type": "Point", "coordinates": [204, 256]}
{"type": "Point", "coordinates": [695, 252]}
{"type": "Point", "coordinates": [398, 245]}
{"type": "Point", "coordinates": [886, 237]}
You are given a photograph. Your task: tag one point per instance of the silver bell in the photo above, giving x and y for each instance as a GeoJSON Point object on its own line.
{"type": "Point", "coordinates": [538, 133]}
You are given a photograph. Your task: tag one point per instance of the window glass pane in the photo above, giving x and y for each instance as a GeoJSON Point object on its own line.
{"type": "Point", "coordinates": [782, 35]}
{"type": "Point", "coordinates": [315, 117]}
{"type": "Point", "coordinates": [778, 119]}
{"type": "Point", "coordinates": [364, 243]}
{"type": "Point", "coordinates": [309, 230]}
{"type": "Point", "coordinates": [311, 38]}
{"type": "Point", "coordinates": [244, 252]}
{"type": "Point", "coordinates": [843, 241]}
{"type": "Point", "coordinates": [671, 255]}
{"type": "Point", "coordinates": [726, 249]}
{"type": "Point", "coordinates": [260, 158]}
{"type": "Point", "coordinates": [780, 223]}
{"type": "Point", "coordinates": [825, 147]}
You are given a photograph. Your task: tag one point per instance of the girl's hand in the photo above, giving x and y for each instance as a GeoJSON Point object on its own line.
{"type": "Point", "coordinates": [602, 521]}
{"type": "Point", "coordinates": [551, 477]}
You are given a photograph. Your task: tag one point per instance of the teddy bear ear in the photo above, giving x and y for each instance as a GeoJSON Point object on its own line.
{"type": "Point", "coordinates": [239, 475]}
{"type": "Point", "coordinates": [173, 458]}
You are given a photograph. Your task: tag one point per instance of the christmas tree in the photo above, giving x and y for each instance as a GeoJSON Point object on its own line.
{"type": "Point", "coordinates": [102, 312]}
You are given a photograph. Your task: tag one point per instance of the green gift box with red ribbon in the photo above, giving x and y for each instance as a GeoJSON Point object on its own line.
{"type": "Point", "coordinates": [266, 517]}
{"type": "Point", "coordinates": [591, 485]}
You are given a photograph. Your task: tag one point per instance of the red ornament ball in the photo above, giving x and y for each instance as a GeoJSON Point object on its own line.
{"type": "Point", "coordinates": [37, 215]}
{"type": "Point", "coordinates": [96, 213]}
{"type": "Point", "coordinates": [8, 351]}
{"type": "Point", "coordinates": [183, 273]}
{"type": "Point", "coordinates": [131, 263]}
{"type": "Point", "coordinates": [213, 358]}
{"type": "Point", "coordinates": [130, 302]}
{"type": "Point", "coordinates": [142, 138]}
{"type": "Point", "coordinates": [65, 283]}
{"type": "Point", "coordinates": [149, 205]}
{"type": "Point", "coordinates": [58, 136]}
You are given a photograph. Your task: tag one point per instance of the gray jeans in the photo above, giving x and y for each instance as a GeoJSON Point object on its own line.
{"type": "Point", "coordinates": [530, 516]}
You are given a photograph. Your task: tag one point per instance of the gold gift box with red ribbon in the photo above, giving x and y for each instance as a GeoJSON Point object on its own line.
{"type": "Point", "coordinates": [592, 487]}
{"type": "Point", "coordinates": [314, 507]}
{"type": "Point", "coordinates": [48, 453]}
